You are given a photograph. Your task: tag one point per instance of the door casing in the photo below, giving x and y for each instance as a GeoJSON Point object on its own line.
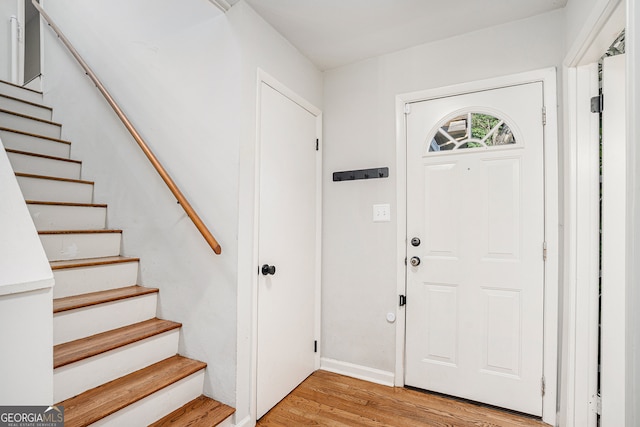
{"type": "Point", "coordinates": [614, 237]}
{"type": "Point", "coordinates": [263, 77]}
{"type": "Point", "coordinates": [548, 79]}
{"type": "Point", "coordinates": [582, 215]}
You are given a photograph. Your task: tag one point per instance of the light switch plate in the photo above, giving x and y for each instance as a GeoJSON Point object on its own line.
{"type": "Point", "coordinates": [382, 213]}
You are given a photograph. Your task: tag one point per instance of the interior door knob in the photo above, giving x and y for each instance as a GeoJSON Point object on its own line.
{"type": "Point", "coordinates": [268, 269]}
{"type": "Point", "coordinates": [415, 261]}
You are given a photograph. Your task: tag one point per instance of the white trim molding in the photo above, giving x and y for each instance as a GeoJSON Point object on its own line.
{"type": "Point", "coordinates": [223, 5]}
{"type": "Point", "coordinates": [245, 422]}
{"type": "Point", "coordinates": [365, 373]}
{"type": "Point", "coordinates": [551, 327]}
{"type": "Point", "coordinates": [581, 176]}
{"type": "Point", "coordinates": [633, 218]}
{"type": "Point", "coordinates": [581, 253]}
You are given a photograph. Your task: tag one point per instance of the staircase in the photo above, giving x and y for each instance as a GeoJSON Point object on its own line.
{"type": "Point", "coordinates": [114, 363]}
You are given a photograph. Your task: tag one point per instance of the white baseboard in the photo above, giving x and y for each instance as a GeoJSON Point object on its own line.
{"type": "Point", "coordinates": [357, 371]}
{"type": "Point", "coordinates": [245, 422]}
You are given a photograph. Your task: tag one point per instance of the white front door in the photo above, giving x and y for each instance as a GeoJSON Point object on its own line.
{"type": "Point", "coordinates": [475, 277]}
{"type": "Point", "coordinates": [288, 245]}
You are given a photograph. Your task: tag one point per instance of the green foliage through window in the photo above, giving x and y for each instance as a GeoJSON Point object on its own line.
{"type": "Point", "coordinates": [481, 125]}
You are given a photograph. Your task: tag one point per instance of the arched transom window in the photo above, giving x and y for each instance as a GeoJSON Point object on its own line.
{"type": "Point", "coordinates": [471, 130]}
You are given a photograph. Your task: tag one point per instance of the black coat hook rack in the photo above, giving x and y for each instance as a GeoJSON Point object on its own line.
{"type": "Point", "coordinates": [361, 174]}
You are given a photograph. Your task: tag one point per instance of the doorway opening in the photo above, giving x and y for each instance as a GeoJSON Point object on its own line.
{"type": "Point", "coordinates": [32, 69]}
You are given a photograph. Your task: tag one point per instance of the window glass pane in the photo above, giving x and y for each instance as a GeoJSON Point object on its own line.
{"type": "Point", "coordinates": [471, 130]}
{"type": "Point", "coordinates": [482, 124]}
{"type": "Point", "coordinates": [502, 136]}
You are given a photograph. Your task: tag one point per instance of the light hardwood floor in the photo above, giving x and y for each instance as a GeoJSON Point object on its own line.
{"type": "Point", "coordinates": [328, 399]}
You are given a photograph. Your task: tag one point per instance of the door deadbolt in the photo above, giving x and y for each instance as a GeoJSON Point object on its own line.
{"type": "Point", "coordinates": [415, 241]}
{"type": "Point", "coordinates": [268, 269]}
{"type": "Point", "coordinates": [415, 261]}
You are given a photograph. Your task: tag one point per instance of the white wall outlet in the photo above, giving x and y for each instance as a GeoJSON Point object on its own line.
{"type": "Point", "coordinates": [382, 213]}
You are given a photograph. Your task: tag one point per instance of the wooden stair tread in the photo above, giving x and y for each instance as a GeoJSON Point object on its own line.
{"type": "Point", "coordinates": [90, 262]}
{"type": "Point", "coordinates": [35, 135]}
{"type": "Point", "coordinates": [43, 156]}
{"type": "Point", "coordinates": [93, 298]}
{"type": "Point", "coordinates": [96, 231]}
{"type": "Point", "coordinates": [79, 205]}
{"type": "Point", "coordinates": [35, 104]}
{"type": "Point", "coordinates": [53, 178]}
{"type": "Point", "coordinates": [201, 411]}
{"type": "Point", "coordinates": [13, 113]}
{"type": "Point", "coordinates": [104, 400]}
{"type": "Point", "coordinates": [73, 351]}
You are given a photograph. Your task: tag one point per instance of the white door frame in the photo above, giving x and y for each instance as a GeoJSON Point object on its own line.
{"type": "Point", "coordinates": [633, 222]}
{"type": "Point", "coordinates": [582, 216]}
{"type": "Point", "coordinates": [548, 79]}
{"type": "Point", "coordinates": [18, 44]}
{"type": "Point", "coordinates": [264, 77]}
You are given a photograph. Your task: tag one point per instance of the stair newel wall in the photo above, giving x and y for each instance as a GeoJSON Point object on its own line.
{"type": "Point", "coordinates": [26, 285]}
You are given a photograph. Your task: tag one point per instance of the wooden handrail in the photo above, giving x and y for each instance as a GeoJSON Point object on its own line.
{"type": "Point", "coordinates": [191, 213]}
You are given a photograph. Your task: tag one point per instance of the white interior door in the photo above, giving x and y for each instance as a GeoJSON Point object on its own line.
{"type": "Point", "coordinates": [475, 200]}
{"type": "Point", "coordinates": [288, 230]}
{"type": "Point", "coordinates": [612, 372]}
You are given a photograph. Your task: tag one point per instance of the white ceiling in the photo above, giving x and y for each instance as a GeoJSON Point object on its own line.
{"type": "Point", "coordinates": [332, 33]}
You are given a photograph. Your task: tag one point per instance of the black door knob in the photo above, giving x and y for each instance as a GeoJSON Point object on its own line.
{"type": "Point", "coordinates": [415, 241]}
{"type": "Point", "coordinates": [268, 269]}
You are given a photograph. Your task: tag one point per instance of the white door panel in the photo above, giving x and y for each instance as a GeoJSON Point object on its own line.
{"type": "Point", "coordinates": [287, 240]}
{"type": "Point", "coordinates": [614, 187]}
{"type": "Point", "coordinates": [475, 301]}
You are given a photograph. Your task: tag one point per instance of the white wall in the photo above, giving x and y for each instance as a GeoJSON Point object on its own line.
{"type": "Point", "coordinates": [26, 320]}
{"type": "Point", "coordinates": [23, 263]}
{"type": "Point", "coordinates": [26, 360]}
{"type": "Point", "coordinates": [576, 14]}
{"type": "Point", "coordinates": [186, 75]}
{"type": "Point", "coordinates": [359, 259]}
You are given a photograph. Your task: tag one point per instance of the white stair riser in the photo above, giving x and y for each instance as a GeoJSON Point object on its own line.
{"type": "Point", "coordinates": [60, 217]}
{"type": "Point", "coordinates": [47, 190]}
{"type": "Point", "coordinates": [25, 108]}
{"type": "Point", "coordinates": [82, 280]}
{"type": "Point", "coordinates": [25, 124]}
{"type": "Point", "coordinates": [16, 92]}
{"type": "Point", "coordinates": [33, 144]}
{"type": "Point", "coordinates": [157, 405]}
{"type": "Point", "coordinates": [73, 379]}
{"type": "Point", "coordinates": [86, 321]}
{"type": "Point", "coordinates": [59, 247]}
{"type": "Point", "coordinates": [34, 165]}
